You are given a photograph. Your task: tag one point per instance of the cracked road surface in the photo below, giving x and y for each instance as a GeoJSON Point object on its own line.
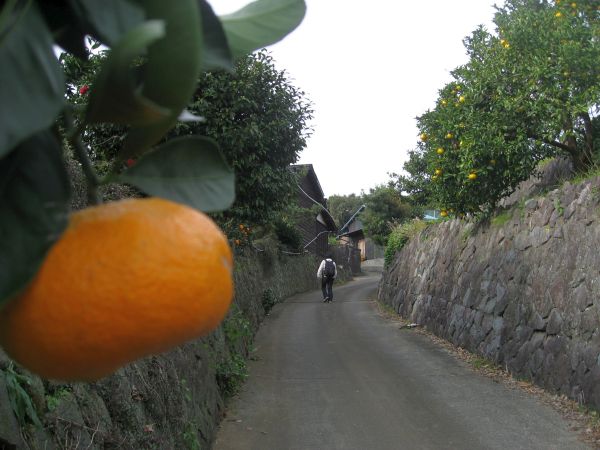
{"type": "Point", "coordinates": [340, 376]}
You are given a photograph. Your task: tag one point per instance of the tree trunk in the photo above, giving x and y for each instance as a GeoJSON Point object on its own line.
{"type": "Point", "coordinates": [581, 155]}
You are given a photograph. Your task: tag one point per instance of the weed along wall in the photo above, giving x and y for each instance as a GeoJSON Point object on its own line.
{"type": "Point", "coordinates": [173, 400]}
{"type": "Point", "coordinates": [522, 290]}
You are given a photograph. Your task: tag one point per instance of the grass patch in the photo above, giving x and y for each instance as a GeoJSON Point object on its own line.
{"type": "Point", "coordinates": [386, 309]}
{"type": "Point", "coordinates": [190, 437]}
{"type": "Point", "coordinates": [232, 370]}
{"type": "Point", "coordinates": [558, 206]}
{"type": "Point", "coordinates": [466, 234]}
{"type": "Point", "coordinates": [54, 399]}
{"type": "Point", "coordinates": [594, 171]}
{"type": "Point", "coordinates": [237, 329]}
{"type": "Point", "coordinates": [544, 162]}
{"type": "Point", "coordinates": [501, 219]}
{"type": "Point", "coordinates": [399, 236]}
{"type": "Point", "coordinates": [231, 374]}
{"type": "Point", "coordinates": [481, 363]}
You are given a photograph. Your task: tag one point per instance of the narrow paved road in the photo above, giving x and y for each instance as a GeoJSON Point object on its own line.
{"type": "Point", "coordinates": [339, 376]}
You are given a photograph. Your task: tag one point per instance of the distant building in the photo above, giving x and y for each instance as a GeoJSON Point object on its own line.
{"type": "Point", "coordinates": [354, 236]}
{"type": "Point", "coordinates": [314, 229]}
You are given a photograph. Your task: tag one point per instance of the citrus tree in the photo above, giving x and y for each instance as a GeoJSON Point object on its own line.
{"type": "Point", "coordinates": [157, 51]}
{"type": "Point", "coordinates": [529, 91]}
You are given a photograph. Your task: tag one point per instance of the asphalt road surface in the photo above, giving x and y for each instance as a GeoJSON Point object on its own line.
{"type": "Point", "coordinates": [340, 376]}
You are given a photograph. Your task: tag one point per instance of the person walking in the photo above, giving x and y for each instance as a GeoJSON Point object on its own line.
{"type": "Point", "coordinates": [327, 273]}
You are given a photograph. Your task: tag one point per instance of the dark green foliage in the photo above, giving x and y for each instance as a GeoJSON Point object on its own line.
{"type": "Point", "coordinates": [32, 82]}
{"type": "Point", "coordinates": [192, 171]}
{"type": "Point", "coordinates": [231, 371]}
{"type": "Point", "coordinates": [20, 401]}
{"type": "Point", "coordinates": [342, 207]}
{"type": "Point", "coordinates": [287, 234]}
{"type": "Point", "coordinates": [34, 206]}
{"type": "Point", "coordinates": [269, 299]}
{"type": "Point", "coordinates": [399, 236]}
{"type": "Point", "coordinates": [385, 207]}
{"type": "Point", "coordinates": [416, 185]}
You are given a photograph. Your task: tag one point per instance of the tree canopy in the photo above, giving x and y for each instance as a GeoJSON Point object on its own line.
{"type": "Point", "coordinates": [385, 206]}
{"type": "Point", "coordinates": [253, 112]}
{"type": "Point", "coordinates": [261, 122]}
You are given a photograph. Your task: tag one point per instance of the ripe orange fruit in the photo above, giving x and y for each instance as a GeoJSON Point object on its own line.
{"type": "Point", "coordinates": [472, 176]}
{"type": "Point", "coordinates": [438, 172]}
{"type": "Point", "coordinates": [127, 279]}
{"type": "Point", "coordinates": [449, 136]}
{"type": "Point", "coordinates": [440, 151]}
{"type": "Point", "coordinates": [424, 137]}
{"type": "Point", "coordinates": [443, 213]}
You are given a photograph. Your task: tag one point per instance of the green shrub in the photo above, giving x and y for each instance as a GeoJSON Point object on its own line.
{"type": "Point", "coordinates": [399, 236]}
{"type": "Point", "coordinates": [231, 373]}
{"type": "Point", "coordinates": [237, 329]}
{"type": "Point", "coordinates": [288, 234]}
{"type": "Point", "coordinates": [269, 299]}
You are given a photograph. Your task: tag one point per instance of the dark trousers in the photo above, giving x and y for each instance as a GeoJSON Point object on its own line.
{"type": "Point", "coordinates": [327, 287]}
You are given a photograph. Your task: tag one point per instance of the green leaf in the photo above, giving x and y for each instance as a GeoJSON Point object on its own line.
{"type": "Point", "coordinates": [187, 170]}
{"type": "Point", "coordinates": [34, 206]}
{"type": "Point", "coordinates": [216, 53]}
{"type": "Point", "coordinates": [172, 69]}
{"type": "Point", "coordinates": [32, 83]}
{"type": "Point", "coordinates": [261, 23]}
{"type": "Point", "coordinates": [114, 97]}
{"type": "Point", "coordinates": [109, 20]}
{"type": "Point", "coordinates": [20, 401]}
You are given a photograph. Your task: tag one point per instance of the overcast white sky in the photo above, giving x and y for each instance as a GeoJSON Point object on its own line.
{"type": "Point", "coordinates": [370, 68]}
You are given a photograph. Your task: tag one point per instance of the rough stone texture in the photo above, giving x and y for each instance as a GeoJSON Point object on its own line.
{"type": "Point", "coordinates": [549, 174]}
{"type": "Point", "coordinates": [166, 401]}
{"type": "Point", "coordinates": [523, 290]}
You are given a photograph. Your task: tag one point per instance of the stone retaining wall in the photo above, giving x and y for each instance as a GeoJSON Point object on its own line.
{"type": "Point", "coordinates": [523, 290]}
